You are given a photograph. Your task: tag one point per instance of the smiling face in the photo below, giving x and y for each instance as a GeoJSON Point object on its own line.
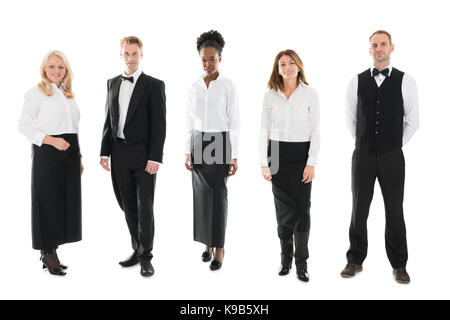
{"type": "Point", "coordinates": [55, 70]}
{"type": "Point", "coordinates": [381, 49]}
{"type": "Point", "coordinates": [287, 68]}
{"type": "Point", "coordinates": [131, 55]}
{"type": "Point", "coordinates": [210, 60]}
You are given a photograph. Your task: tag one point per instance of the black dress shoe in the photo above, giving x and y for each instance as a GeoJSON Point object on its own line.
{"type": "Point", "coordinates": [207, 256]}
{"type": "Point", "coordinates": [303, 275]}
{"type": "Point", "coordinates": [131, 261]}
{"type": "Point", "coordinates": [147, 268]}
{"type": "Point", "coordinates": [284, 270]}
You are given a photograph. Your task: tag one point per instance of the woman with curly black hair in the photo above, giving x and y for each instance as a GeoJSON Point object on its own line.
{"type": "Point", "coordinates": [211, 146]}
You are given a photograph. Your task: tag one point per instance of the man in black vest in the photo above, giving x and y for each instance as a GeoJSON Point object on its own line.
{"type": "Point", "coordinates": [382, 114]}
{"type": "Point", "coordinates": [133, 136]}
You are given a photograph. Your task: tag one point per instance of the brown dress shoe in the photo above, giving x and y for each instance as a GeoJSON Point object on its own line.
{"type": "Point", "coordinates": [350, 270]}
{"type": "Point", "coordinates": [401, 276]}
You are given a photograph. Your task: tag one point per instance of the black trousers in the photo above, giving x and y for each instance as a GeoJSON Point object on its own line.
{"type": "Point", "coordinates": [292, 200]}
{"type": "Point", "coordinates": [389, 169]}
{"type": "Point", "coordinates": [134, 189]}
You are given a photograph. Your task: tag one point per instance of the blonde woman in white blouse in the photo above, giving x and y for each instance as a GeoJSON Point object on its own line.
{"type": "Point", "coordinates": [50, 120]}
{"type": "Point", "coordinates": [289, 146]}
{"type": "Point", "coordinates": [212, 123]}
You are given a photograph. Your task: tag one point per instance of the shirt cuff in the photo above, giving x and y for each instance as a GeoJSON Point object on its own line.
{"type": "Point", "coordinates": [154, 162]}
{"type": "Point", "coordinates": [104, 157]}
{"type": "Point", "coordinates": [312, 161]}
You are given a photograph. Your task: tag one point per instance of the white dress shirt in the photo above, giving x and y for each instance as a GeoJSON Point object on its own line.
{"type": "Point", "coordinates": [291, 120]}
{"type": "Point", "coordinates": [48, 115]}
{"type": "Point", "coordinates": [213, 109]}
{"type": "Point", "coordinates": [125, 92]}
{"type": "Point", "coordinates": [410, 104]}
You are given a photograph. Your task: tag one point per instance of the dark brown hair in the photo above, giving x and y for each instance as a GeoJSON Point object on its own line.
{"type": "Point", "coordinates": [276, 80]}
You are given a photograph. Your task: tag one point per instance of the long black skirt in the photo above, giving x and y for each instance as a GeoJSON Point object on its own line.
{"type": "Point", "coordinates": [292, 196]}
{"type": "Point", "coordinates": [210, 156]}
{"type": "Point", "coordinates": [56, 194]}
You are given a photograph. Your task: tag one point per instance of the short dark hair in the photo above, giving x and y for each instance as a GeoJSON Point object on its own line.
{"type": "Point", "coordinates": [131, 40]}
{"type": "Point", "coordinates": [211, 38]}
{"type": "Point", "coordinates": [382, 32]}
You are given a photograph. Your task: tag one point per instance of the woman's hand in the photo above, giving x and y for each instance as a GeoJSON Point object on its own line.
{"type": "Point", "coordinates": [188, 163]}
{"type": "Point", "coordinates": [58, 143]}
{"type": "Point", "coordinates": [308, 174]}
{"type": "Point", "coordinates": [265, 171]}
{"type": "Point", "coordinates": [232, 168]}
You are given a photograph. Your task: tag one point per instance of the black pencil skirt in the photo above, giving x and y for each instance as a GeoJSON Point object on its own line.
{"type": "Point", "coordinates": [56, 194]}
{"type": "Point", "coordinates": [211, 155]}
{"type": "Point", "coordinates": [292, 199]}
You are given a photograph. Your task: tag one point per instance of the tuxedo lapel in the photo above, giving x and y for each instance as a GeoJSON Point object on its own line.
{"type": "Point", "coordinates": [136, 97]}
{"type": "Point", "coordinates": [115, 113]}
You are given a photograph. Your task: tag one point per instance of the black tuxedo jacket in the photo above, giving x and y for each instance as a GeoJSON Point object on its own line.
{"type": "Point", "coordinates": [146, 116]}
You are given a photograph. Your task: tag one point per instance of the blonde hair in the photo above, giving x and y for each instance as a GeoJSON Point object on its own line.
{"type": "Point", "coordinates": [276, 80]}
{"type": "Point", "coordinates": [131, 40]}
{"type": "Point", "coordinates": [46, 85]}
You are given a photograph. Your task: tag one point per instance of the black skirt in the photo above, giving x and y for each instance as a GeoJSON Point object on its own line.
{"type": "Point", "coordinates": [211, 157]}
{"type": "Point", "coordinates": [56, 194]}
{"type": "Point", "coordinates": [292, 196]}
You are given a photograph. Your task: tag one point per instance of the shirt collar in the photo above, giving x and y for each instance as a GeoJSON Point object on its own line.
{"type": "Point", "coordinates": [203, 76]}
{"type": "Point", "coordinates": [300, 86]}
{"type": "Point", "coordinates": [135, 75]}
{"type": "Point", "coordinates": [61, 87]}
{"type": "Point", "coordinates": [389, 67]}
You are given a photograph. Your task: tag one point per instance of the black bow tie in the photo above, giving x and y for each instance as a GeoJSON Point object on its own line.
{"type": "Point", "coordinates": [376, 72]}
{"type": "Point", "coordinates": [131, 79]}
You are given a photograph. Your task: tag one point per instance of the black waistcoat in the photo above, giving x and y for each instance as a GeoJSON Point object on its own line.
{"type": "Point", "coordinates": [379, 125]}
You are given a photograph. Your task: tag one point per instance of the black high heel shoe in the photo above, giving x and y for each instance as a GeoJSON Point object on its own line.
{"type": "Point", "coordinates": [63, 267]}
{"type": "Point", "coordinates": [55, 272]}
{"type": "Point", "coordinates": [207, 256]}
{"type": "Point", "coordinates": [216, 265]}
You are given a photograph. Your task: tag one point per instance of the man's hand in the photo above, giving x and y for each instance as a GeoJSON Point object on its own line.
{"type": "Point", "coordinates": [104, 162]}
{"type": "Point", "coordinates": [152, 167]}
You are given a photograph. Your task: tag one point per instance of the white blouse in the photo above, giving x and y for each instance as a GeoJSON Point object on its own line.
{"type": "Point", "coordinates": [43, 115]}
{"type": "Point", "coordinates": [213, 109]}
{"type": "Point", "coordinates": [293, 120]}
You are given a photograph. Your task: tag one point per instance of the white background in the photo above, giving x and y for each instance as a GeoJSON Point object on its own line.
{"type": "Point", "coordinates": [331, 37]}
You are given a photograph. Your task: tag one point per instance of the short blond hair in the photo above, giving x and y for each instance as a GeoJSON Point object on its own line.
{"type": "Point", "coordinates": [131, 40]}
{"type": "Point", "coordinates": [46, 85]}
{"type": "Point", "coordinates": [382, 32]}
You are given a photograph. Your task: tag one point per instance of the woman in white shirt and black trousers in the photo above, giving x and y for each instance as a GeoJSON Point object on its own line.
{"type": "Point", "coordinates": [211, 147]}
{"type": "Point", "coordinates": [50, 120]}
{"type": "Point", "coordinates": [289, 144]}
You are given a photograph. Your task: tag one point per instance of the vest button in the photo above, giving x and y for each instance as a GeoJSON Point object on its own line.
{"type": "Point", "coordinates": [376, 132]}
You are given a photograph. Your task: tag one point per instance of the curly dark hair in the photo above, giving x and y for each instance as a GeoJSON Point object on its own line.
{"type": "Point", "coordinates": [211, 38]}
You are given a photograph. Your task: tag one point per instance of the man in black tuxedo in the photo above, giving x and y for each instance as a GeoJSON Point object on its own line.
{"type": "Point", "coordinates": [133, 136]}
